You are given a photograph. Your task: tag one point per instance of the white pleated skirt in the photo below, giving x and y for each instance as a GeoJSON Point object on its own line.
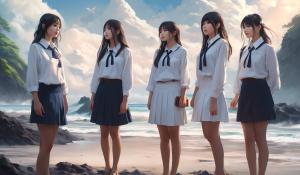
{"type": "Point", "coordinates": [201, 110]}
{"type": "Point", "coordinates": [163, 110]}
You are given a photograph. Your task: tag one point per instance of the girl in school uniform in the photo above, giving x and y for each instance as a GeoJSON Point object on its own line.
{"type": "Point", "coordinates": [111, 82]}
{"type": "Point", "coordinates": [257, 78]}
{"type": "Point", "coordinates": [208, 102]}
{"type": "Point", "coordinates": [168, 79]}
{"type": "Point", "coordinates": [47, 84]}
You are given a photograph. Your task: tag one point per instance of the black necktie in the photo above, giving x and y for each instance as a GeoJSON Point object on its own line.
{"type": "Point", "coordinates": [203, 54]}
{"type": "Point", "coordinates": [55, 54]}
{"type": "Point", "coordinates": [112, 58]}
{"type": "Point", "coordinates": [250, 49]}
{"type": "Point", "coordinates": [167, 57]}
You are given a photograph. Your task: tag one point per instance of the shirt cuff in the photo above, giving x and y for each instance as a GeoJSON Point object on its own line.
{"type": "Point", "coordinates": [186, 85]}
{"type": "Point", "coordinates": [126, 92]}
{"type": "Point", "coordinates": [150, 88]}
{"type": "Point", "coordinates": [33, 89]}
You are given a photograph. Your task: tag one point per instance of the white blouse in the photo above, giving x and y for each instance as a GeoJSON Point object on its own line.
{"type": "Point", "coordinates": [216, 61]}
{"type": "Point", "coordinates": [43, 68]}
{"type": "Point", "coordinates": [120, 69]}
{"type": "Point", "coordinates": [177, 70]}
{"type": "Point", "coordinates": [264, 65]}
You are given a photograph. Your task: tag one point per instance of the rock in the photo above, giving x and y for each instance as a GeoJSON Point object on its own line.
{"type": "Point", "coordinates": [85, 105]}
{"type": "Point", "coordinates": [289, 62]}
{"type": "Point", "coordinates": [84, 100]}
{"type": "Point", "coordinates": [14, 131]}
{"type": "Point", "coordinates": [289, 114]}
{"type": "Point", "coordinates": [135, 172]}
{"type": "Point", "coordinates": [66, 168]}
{"type": "Point", "coordinates": [201, 173]}
{"type": "Point", "coordinates": [8, 168]}
{"type": "Point", "coordinates": [64, 137]}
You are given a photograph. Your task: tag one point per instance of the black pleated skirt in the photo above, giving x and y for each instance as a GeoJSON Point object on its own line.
{"type": "Point", "coordinates": [107, 101]}
{"type": "Point", "coordinates": [255, 102]}
{"type": "Point", "coordinates": [52, 100]}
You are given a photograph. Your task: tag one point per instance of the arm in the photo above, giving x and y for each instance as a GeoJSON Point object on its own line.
{"type": "Point", "coordinates": [95, 80]}
{"type": "Point", "coordinates": [184, 73]}
{"type": "Point", "coordinates": [218, 78]}
{"type": "Point", "coordinates": [126, 81]}
{"type": "Point", "coordinates": [236, 88]}
{"type": "Point", "coordinates": [127, 74]}
{"type": "Point", "coordinates": [66, 87]}
{"type": "Point", "coordinates": [272, 66]}
{"type": "Point", "coordinates": [32, 80]}
{"type": "Point", "coordinates": [220, 71]}
{"type": "Point", "coordinates": [184, 79]}
{"type": "Point", "coordinates": [151, 81]}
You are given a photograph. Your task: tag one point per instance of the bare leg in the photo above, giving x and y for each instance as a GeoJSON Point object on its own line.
{"type": "Point", "coordinates": [249, 135]}
{"type": "Point", "coordinates": [104, 130]}
{"type": "Point", "coordinates": [47, 137]}
{"type": "Point", "coordinates": [164, 147]}
{"type": "Point", "coordinates": [116, 145]}
{"type": "Point", "coordinates": [260, 129]}
{"type": "Point", "coordinates": [211, 133]}
{"type": "Point", "coordinates": [176, 147]}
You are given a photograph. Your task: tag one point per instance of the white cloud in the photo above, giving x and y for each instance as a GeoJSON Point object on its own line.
{"type": "Point", "coordinates": [80, 45]}
{"type": "Point", "coordinates": [91, 10]}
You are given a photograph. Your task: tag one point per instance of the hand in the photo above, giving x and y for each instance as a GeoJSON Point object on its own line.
{"type": "Point", "coordinates": [38, 107]}
{"type": "Point", "coordinates": [234, 101]}
{"type": "Point", "coordinates": [182, 101]}
{"type": "Point", "coordinates": [66, 106]}
{"type": "Point", "coordinates": [149, 101]}
{"type": "Point", "coordinates": [192, 103]}
{"type": "Point", "coordinates": [92, 102]}
{"type": "Point", "coordinates": [123, 107]}
{"type": "Point", "coordinates": [213, 106]}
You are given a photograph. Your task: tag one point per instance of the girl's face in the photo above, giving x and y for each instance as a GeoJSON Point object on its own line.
{"type": "Point", "coordinates": [165, 35]}
{"type": "Point", "coordinates": [53, 30]}
{"type": "Point", "coordinates": [107, 33]}
{"type": "Point", "coordinates": [249, 31]}
{"type": "Point", "coordinates": [208, 29]}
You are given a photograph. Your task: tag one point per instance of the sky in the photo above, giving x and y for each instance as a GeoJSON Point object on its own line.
{"type": "Point", "coordinates": [83, 22]}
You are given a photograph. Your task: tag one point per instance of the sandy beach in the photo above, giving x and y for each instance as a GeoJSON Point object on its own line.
{"type": "Point", "coordinates": [143, 153]}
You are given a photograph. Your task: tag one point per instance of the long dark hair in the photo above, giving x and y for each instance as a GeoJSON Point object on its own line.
{"type": "Point", "coordinates": [214, 18]}
{"type": "Point", "coordinates": [118, 37]}
{"type": "Point", "coordinates": [171, 27]}
{"type": "Point", "coordinates": [46, 21]}
{"type": "Point", "coordinates": [256, 20]}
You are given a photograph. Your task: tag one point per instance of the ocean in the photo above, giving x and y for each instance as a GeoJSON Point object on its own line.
{"type": "Point", "coordinates": [79, 123]}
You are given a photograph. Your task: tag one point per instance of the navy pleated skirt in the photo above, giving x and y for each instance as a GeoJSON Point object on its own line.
{"type": "Point", "coordinates": [255, 102]}
{"type": "Point", "coordinates": [52, 99]}
{"type": "Point", "coordinates": [107, 101]}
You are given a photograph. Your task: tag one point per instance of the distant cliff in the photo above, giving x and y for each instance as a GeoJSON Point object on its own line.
{"type": "Point", "coordinates": [12, 68]}
{"type": "Point", "coordinates": [289, 62]}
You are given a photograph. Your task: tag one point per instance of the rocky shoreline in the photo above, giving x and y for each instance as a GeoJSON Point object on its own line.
{"type": "Point", "coordinates": [17, 131]}
{"type": "Point", "coordinates": [65, 168]}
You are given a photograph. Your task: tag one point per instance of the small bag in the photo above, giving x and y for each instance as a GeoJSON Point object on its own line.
{"type": "Point", "coordinates": [186, 104]}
